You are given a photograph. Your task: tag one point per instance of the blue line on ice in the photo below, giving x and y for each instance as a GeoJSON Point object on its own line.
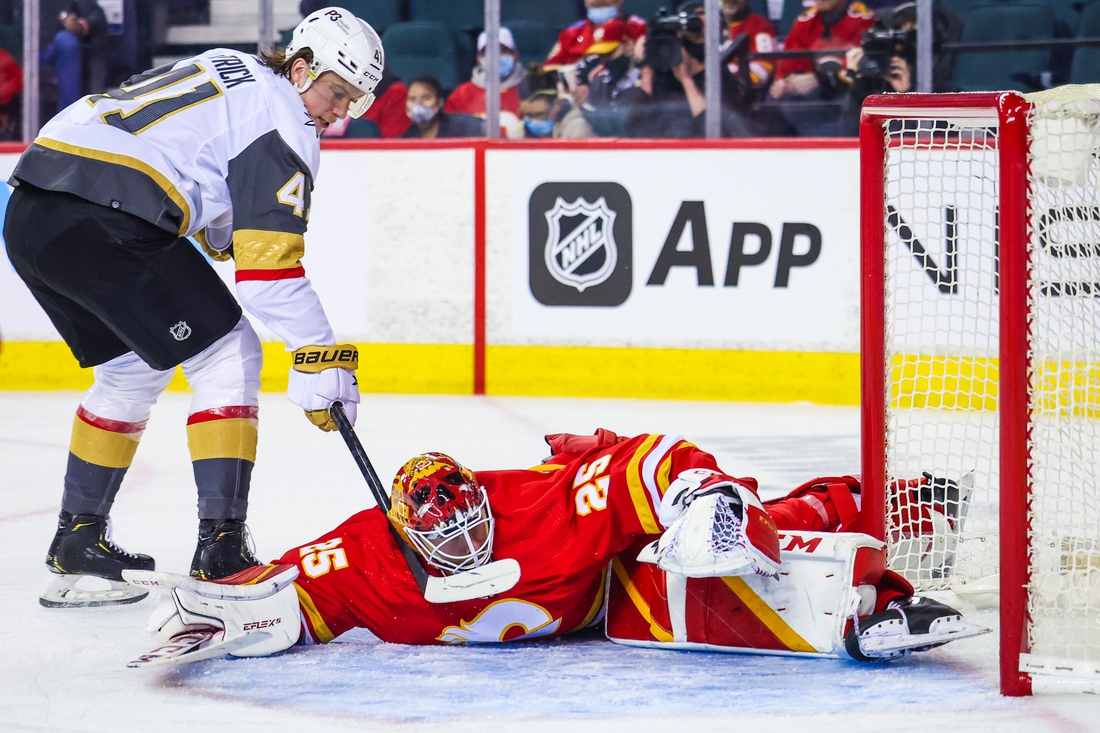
{"type": "Point", "coordinates": [360, 676]}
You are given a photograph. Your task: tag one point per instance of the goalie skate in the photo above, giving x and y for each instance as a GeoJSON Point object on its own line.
{"type": "Point", "coordinates": [88, 591]}
{"type": "Point", "coordinates": [195, 646]}
{"type": "Point", "coordinates": [914, 625]}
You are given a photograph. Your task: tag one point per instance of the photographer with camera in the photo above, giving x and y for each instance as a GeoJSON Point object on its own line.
{"type": "Point", "coordinates": [885, 61]}
{"type": "Point", "coordinates": [673, 79]}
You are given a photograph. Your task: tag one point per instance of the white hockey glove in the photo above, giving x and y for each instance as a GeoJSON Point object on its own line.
{"type": "Point", "coordinates": [322, 375]}
{"type": "Point", "coordinates": [716, 527]}
{"type": "Point", "coordinates": [197, 605]}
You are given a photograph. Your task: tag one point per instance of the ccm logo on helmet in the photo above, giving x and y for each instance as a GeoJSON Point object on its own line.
{"type": "Point", "coordinates": [261, 624]}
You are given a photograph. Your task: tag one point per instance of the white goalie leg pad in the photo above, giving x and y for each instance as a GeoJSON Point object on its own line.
{"type": "Point", "coordinates": [723, 531]}
{"type": "Point", "coordinates": [277, 615]}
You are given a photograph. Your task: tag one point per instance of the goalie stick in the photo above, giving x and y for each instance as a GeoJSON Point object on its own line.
{"type": "Point", "coordinates": [487, 580]}
{"type": "Point", "coordinates": [196, 646]}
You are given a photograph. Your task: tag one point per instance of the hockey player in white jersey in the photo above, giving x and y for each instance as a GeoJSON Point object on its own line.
{"type": "Point", "coordinates": [222, 147]}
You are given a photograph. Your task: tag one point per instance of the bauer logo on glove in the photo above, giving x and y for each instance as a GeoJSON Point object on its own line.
{"type": "Point", "coordinates": [312, 359]}
{"type": "Point", "coordinates": [322, 375]}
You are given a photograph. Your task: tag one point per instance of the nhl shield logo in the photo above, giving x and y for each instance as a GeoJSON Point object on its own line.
{"type": "Point", "coordinates": [180, 331]}
{"type": "Point", "coordinates": [580, 245]}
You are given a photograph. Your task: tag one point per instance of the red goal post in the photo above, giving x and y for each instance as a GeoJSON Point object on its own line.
{"type": "Point", "coordinates": [980, 237]}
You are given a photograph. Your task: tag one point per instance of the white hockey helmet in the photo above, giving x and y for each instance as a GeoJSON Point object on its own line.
{"type": "Point", "coordinates": [343, 44]}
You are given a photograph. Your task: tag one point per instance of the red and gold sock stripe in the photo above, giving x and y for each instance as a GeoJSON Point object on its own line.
{"type": "Point", "coordinates": [104, 442]}
{"type": "Point", "coordinates": [223, 432]}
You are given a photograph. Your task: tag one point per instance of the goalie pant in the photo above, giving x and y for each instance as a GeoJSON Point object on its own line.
{"type": "Point", "coordinates": [564, 521]}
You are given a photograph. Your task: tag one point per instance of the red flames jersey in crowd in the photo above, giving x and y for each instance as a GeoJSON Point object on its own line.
{"type": "Point", "coordinates": [562, 521]}
{"type": "Point", "coordinates": [809, 33]}
{"type": "Point", "coordinates": [761, 35]}
{"type": "Point", "coordinates": [574, 42]}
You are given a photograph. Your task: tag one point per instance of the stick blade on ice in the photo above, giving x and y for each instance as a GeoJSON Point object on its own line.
{"type": "Point", "coordinates": [487, 580]}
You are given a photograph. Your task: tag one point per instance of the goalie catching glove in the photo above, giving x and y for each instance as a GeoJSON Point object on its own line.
{"type": "Point", "coordinates": [322, 375]}
{"type": "Point", "coordinates": [716, 527]}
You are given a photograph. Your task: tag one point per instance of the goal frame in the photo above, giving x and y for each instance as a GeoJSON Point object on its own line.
{"type": "Point", "coordinates": [1011, 111]}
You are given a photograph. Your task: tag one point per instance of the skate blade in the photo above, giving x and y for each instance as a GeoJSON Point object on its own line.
{"type": "Point", "coordinates": [873, 646]}
{"type": "Point", "coordinates": [88, 591]}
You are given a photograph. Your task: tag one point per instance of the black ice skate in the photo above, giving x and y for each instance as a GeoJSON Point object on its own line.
{"type": "Point", "coordinates": [87, 566]}
{"type": "Point", "coordinates": [913, 624]}
{"type": "Point", "coordinates": [224, 549]}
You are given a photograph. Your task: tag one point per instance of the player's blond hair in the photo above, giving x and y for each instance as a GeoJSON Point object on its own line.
{"type": "Point", "coordinates": [277, 60]}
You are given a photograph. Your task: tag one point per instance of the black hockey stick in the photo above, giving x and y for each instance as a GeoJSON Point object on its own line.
{"type": "Point", "coordinates": [487, 580]}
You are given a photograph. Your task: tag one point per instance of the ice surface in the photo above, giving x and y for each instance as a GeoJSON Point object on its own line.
{"type": "Point", "coordinates": [64, 670]}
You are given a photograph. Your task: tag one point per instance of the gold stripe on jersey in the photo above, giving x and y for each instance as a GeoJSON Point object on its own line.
{"type": "Point", "coordinates": [127, 162]}
{"type": "Point", "coordinates": [254, 249]}
{"type": "Point", "coordinates": [767, 615]}
{"type": "Point", "coordinates": [659, 633]}
{"type": "Point", "coordinates": [638, 493]}
{"type": "Point", "coordinates": [228, 438]}
{"type": "Point", "coordinates": [597, 605]}
{"type": "Point", "coordinates": [665, 469]}
{"type": "Point", "coordinates": [103, 447]}
{"type": "Point", "coordinates": [320, 628]}
{"type": "Point", "coordinates": [546, 467]}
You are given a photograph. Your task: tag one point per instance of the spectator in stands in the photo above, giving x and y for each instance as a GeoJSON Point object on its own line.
{"type": "Point", "coordinates": [388, 110]}
{"type": "Point", "coordinates": [870, 71]}
{"type": "Point", "coordinates": [424, 106]}
{"type": "Point", "coordinates": [574, 42]}
{"type": "Point", "coordinates": [469, 97]}
{"type": "Point", "coordinates": [539, 113]}
{"type": "Point", "coordinates": [87, 21]}
{"type": "Point", "coordinates": [607, 81]}
{"type": "Point", "coordinates": [64, 55]}
{"type": "Point", "coordinates": [811, 89]}
{"type": "Point", "coordinates": [674, 104]}
{"type": "Point", "coordinates": [830, 24]}
{"type": "Point", "coordinates": [760, 36]}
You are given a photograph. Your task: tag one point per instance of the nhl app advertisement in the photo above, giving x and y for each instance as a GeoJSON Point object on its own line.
{"type": "Point", "coordinates": [707, 248]}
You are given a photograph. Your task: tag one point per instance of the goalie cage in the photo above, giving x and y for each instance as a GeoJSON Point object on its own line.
{"type": "Point", "coordinates": [980, 229]}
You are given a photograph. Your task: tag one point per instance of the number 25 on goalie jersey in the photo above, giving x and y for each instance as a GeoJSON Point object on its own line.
{"type": "Point", "coordinates": [216, 142]}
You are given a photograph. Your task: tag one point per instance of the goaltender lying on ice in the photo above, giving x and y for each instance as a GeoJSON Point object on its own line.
{"type": "Point", "coordinates": [645, 534]}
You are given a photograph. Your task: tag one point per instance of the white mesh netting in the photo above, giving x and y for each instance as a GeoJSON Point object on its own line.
{"type": "Point", "coordinates": [942, 359]}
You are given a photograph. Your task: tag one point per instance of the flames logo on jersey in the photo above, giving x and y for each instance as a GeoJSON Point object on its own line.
{"type": "Point", "coordinates": [580, 245]}
{"type": "Point", "coordinates": [499, 621]}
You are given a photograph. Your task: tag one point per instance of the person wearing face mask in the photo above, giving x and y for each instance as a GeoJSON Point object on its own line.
{"type": "Point", "coordinates": [469, 98]}
{"type": "Point", "coordinates": [221, 147]}
{"type": "Point", "coordinates": [607, 82]}
{"type": "Point", "coordinates": [424, 106]}
{"type": "Point", "coordinates": [539, 113]}
{"type": "Point", "coordinates": [574, 42]}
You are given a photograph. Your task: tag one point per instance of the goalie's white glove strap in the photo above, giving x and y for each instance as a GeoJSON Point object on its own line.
{"type": "Point", "coordinates": [680, 494]}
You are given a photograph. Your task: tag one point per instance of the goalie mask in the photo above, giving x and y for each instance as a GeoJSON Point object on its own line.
{"type": "Point", "coordinates": [438, 506]}
{"type": "Point", "coordinates": [344, 45]}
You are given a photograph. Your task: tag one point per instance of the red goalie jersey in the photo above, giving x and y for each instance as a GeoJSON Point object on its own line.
{"type": "Point", "coordinates": [562, 521]}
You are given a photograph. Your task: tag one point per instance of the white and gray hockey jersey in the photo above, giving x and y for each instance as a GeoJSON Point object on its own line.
{"type": "Point", "coordinates": [216, 146]}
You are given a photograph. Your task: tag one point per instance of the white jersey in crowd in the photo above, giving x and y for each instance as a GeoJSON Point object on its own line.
{"type": "Point", "coordinates": [217, 146]}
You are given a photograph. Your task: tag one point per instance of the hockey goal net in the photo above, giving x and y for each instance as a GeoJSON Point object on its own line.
{"type": "Point", "coordinates": [981, 361]}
